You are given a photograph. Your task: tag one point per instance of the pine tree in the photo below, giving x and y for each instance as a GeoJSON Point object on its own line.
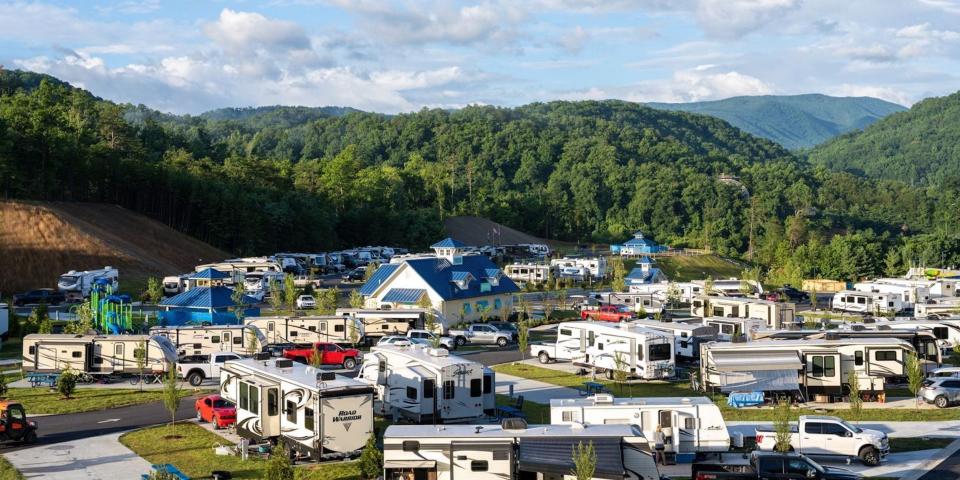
{"type": "Point", "coordinates": [171, 394]}
{"type": "Point", "coordinates": [781, 426]}
{"type": "Point", "coordinates": [371, 459]}
{"type": "Point", "coordinates": [584, 461]}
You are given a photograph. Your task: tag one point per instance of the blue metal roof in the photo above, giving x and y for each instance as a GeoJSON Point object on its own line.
{"type": "Point", "coordinates": [209, 274]}
{"type": "Point", "coordinates": [646, 260]}
{"type": "Point", "coordinates": [404, 295]}
{"type": "Point", "coordinates": [458, 276]}
{"type": "Point", "coordinates": [378, 278]}
{"type": "Point", "coordinates": [205, 297]}
{"type": "Point", "coordinates": [448, 243]}
{"type": "Point", "coordinates": [491, 272]}
{"type": "Point", "coordinates": [438, 273]}
{"type": "Point", "coordinates": [638, 276]}
{"type": "Point", "coordinates": [638, 242]}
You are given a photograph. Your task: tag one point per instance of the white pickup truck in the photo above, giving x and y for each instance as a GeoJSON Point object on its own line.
{"type": "Point", "coordinates": [481, 334]}
{"type": "Point", "coordinates": [196, 368]}
{"type": "Point", "coordinates": [830, 436]}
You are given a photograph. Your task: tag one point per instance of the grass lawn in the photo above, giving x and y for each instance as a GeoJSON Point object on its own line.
{"type": "Point", "coordinates": [694, 267]}
{"type": "Point", "coordinates": [42, 401]}
{"type": "Point", "coordinates": [12, 348]}
{"type": "Point", "coordinates": [193, 455]}
{"type": "Point", "coordinates": [537, 413]}
{"type": "Point", "coordinates": [7, 472]}
{"type": "Point", "coordinates": [898, 445]}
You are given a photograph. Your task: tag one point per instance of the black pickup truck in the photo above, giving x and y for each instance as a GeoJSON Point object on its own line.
{"type": "Point", "coordinates": [765, 466]}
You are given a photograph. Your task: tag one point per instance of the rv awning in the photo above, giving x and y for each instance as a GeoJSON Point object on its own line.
{"type": "Point", "coordinates": [760, 381]}
{"type": "Point", "coordinates": [555, 455]}
{"type": "Point", "coordinates": [746, 361]}
{"type": "Point", "coordinates": [404, 464]}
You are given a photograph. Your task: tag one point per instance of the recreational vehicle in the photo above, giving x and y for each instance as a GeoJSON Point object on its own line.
{"type": "Point", "coordinates": [874, 303]}
{"type": "Point", "coordinates": [687, 337]}
{"type": "Point", "coordinates": [175, 284]}
{"type": "Point", "coordinates": [732, 287]}
{"type": "Point", "coordinates": [427, 384]}
{"type": "Point", "coordinates": [309, 329]}
{"type": "Point", "coordinates": [206, 339]}
{"type": "Point", "coordinates": [939, 307]}
{"type": "Point", "coordinates": [528, 272]}
{"type": "Point", "coordinates": [637, 302]}
{"type": "Point", "coordinates": [76, 285]}
{"type": "Point", "coordinates": [728, 328]}
{"type": "Point", "coordinates": [682, 292]}
{"type": "Point", "coordinates": [690, 424]}
{"type": "Point", "coordinates": [379, 323]}
{"type": "Point", "coordinates": [641, 352]}
{"type": "Point", "coordinates": [257, 284]}
{"type": "Point", "coordinates": [909, 294]}
{"type": "Point", "coordinates": [238, 268]}
{"type": "Point", "coordinates": [937, 287]}
{"type": "Point", "coordinates": [804, 367]}
{"type": "Point", "coordinates": [774, 314]}
{"type": "Point", "coordinates": [316, 414]}
{"type": "Point", "coordinates": [97, 355]}
{"type": "Point", "coordinates": [595, 267]}
{"type": "Point", "coordinates": [924, 342]}
{"type": "Point", "coordinates": [513, 450]}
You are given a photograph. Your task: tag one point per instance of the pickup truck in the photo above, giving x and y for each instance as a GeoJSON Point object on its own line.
{"type": "Point", "coordinates": [330, 354]}
{"type": "Point", "coordinates": [445, 342]}
{"type": "Point", "coordinates": [830, 436]}
{"type": "Point", "coordinates": [481, 334]}
{"type": "Point", "coordinates": [196, 368]}
{"type": "Point", "coordinates": [765, 466]}
{"type": "Point", "coordinates": [607, 313]}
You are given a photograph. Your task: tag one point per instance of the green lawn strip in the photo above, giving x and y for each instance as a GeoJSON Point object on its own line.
{"type": "Point", "coordinates": [42, 401]}
{"type": "Point", "coordinates": [537, 413]}
{"type": "Point", "coordinates": [11, 348]}
{"type": "Point", "coordinates": [694, 267]}
{"type": "Point", "coordinates": [193, 455]}
{"type": "Point", "coordinates": [7, 472]}
{"type": "Point", "coordinates": [913, 444]}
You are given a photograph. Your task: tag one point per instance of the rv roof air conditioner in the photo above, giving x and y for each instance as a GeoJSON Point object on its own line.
{"type": "Point", "coordinates": [603, 398]}
{"type": "Point", "coordinates": [284, 363]}
{"type": "Point", "coordinates": [261, 356]}
{"type": "Point", "coordinates": [326, 376]}
{"type": "Point", "coordinates": [517, 424]}
{"type": "Point", "coordinates": [438, 352]}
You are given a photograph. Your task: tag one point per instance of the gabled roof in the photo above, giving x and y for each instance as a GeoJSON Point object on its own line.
{"type": "Point", "coordinates": [459, 276]}
{"type": "Point", "coordinates": [492, 273]}
{"type": "Point", "coordinates": [438, 273]}
{"type": "Point", "coordinates": [633, 242]}
{"type": "Point", "coordinates": [637, 275]}
{"type": "Point", "coordinates": [378, 277]}
{"type": "Point", "coordinates": [404, 295]}
{"type": "Point", "coordinates": [646, 261]}
{"type": "Point", "coordinates": [448, 243]}
{"type": "Point", "coordinates": [209, 274]}
{"type": "Point", "coordinates": [205, 297]}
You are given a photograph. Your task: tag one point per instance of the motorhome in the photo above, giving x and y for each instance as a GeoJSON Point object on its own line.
{"type": "Point", "coordinates": [689, 424]}
{"type": "Point", "coordinates": [207, 339]}
{"type": "Point", "coordinates": [874, 303]}
{"type": "Point", "coordinates": [924, 342]}
{"type": "Point", "coordinates": [732, 287]}
{"type": "Point", "coordinates": [909, 294]}
{"type": "Point", "coordinates": [528, 272]}
{"type": "Point", "coordinates": [318, 415]}
{"type": "Point", "coordinates": [774, 314]}
{"type": "Point", "coordinates": [729, 328]}
{"type": "Point", "coordinates": [257, 284]}
{"type": "Point", "coordinates": [76, 285]}
{"type": "Point", "coordinates": [424, 384]}
{"type": "Point", "coordinates": [513, 450]}
{"type": "Point", "coordinates": [802, 367]}
{"type": "Point", "coordinates": [309, 329]}
{"type": "Point", "coordinates": [595, 267]}
{"type": "Point", "coordinates": [97, 355]}
{"type": "Point", "coordinates": [379, 323]}
{"type": "Point", "coordinates": [679, 292]}
{"type": "Point", "coordinates": [939, 307]}
{"type": "Point", "coordinates": [641, 352]}
{"type": "Point", "coordinates": [536, 249]}
{"type": "Point", "coordinates": [174, 284]}
{"type": "Point", "coordinates": [687, 337]}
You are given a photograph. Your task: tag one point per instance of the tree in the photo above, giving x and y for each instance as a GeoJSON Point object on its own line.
{"type": "Point", "coordinates": [369, 271]}
{"type": "Point", "coordinates": [316, 358]}
{"type": "Point", "coordinates": [673, 294]}
{"type": "Point", "coordinates": [620, 374]}
{"type": "Point", "coordinates": [813, 299]}
{"type": "Point", "coordinates": [3, 386]}
{"type": "Point", "coordinates": [584, 461]}
{"type": "Point", "coordinates": [154, 291]}
{"type": "Point", "coordinates": [276, 295]}
{"type": "Point", "coordinates": [523, 334]}
{"type": "Point", "coordinates": [356, 300]}
{"type": "Point", "coordinates": [327, 301]}
{"type": "Point", "coordinates": [914, 375]}
{"type": "Point", "coordinates": [289, 292]}
{"type": "Point", "coordinates": [429, 319]}
{"type": "Point", "coordinates": [371, 459]}
{"type": "Point", "coordinates": [617, 274]}
{"type": "Point", "coordinates": [38, 316]}
{"type": "Point", "coordinates": [278, 467]}
{"type": "Point", "coordinates": [781, 426]}
{"type": "Point", "coordinates": [642, 313]}
{"type": "Point", "coordinates": [252, 346]}
{"type": "Point", "coordinates": [238, 296]}
{"type": "Point", "coordinates": [66, 383]}
{"type": "Point", "coordinates": [171, 394]}
{"type": "Point", "coordinates": [562, 299]}
{"type": "Point", "coordinates": [708, 285]}
{"type": "Point", "coordinates": [547, 312]}
{"type": "Point", "coordinates": [140, 354]}
{"type": "Point", "coordinates": [856, 401]}
{"type": "Point", "coordinates": [46, 326]}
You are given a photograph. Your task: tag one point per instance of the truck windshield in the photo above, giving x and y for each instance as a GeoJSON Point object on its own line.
{"type": "Point", "coordinates": [850, 427]}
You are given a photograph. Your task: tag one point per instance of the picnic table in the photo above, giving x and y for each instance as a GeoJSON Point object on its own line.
{"type": "Point", "coordinates": [593, 387]}
{"type": "Point", "coordinates": [47, 379]}
{"type": "Point", "coordinates": [166, 467]}
{"type": "Point", "coordinates": [510, 412]}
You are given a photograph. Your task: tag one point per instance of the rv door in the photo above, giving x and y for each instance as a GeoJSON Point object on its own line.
{"type": "Point", "coordinates": [118, 351]}
{"type": "Point", "coordinates": [481, 461]}
{"type": "Point", "coordinates": [668, 421]}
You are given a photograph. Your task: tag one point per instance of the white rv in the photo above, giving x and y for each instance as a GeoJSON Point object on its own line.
{"type": "Point", "coordinates": [873, 303]}
{"type": "Point", "coordinates": [687, 337]}
{"type": "Point", "coordinates": [595, 267]}
{"type": "Point", "coordinates": [643, 353]}
{"type": "Point", "coordinates": [923, 341]}
{"type": "Point", "coordinates": [938, 307]}
{"type": "Point", "coordinates": [238, 268]}
{"type": "Point", "coordinates": [513, 450]}
{"type": "Point", "coordinates": [379, 323]}
{"type": "Point", "coordinates": [528, 272]}
{"type": "Point", "coordinates": [175, 284]}
{"type": "Point", "coordinates": [76, 285]}
{"type": "Point", "coordinates": [731, 287]}
{"type": "Point", "coordinates": [207, 339]}
{"type": "Point", "coordinates": [308, 329]}
{"type": "Point", "coordinates": [318, 415]}
{"type": "Point", "coordinates": [427, 384]}
{"type": "Point", "coordinates": [728, 328]}
{"type": "Point", "coordinates": [909, 294]}
{"type": "Point", "coordinates": [690, 424]}
{"type": "Point", "coordinates": [947, 332]}
{"type": "Point", "coordinates": [97, 355]}
{"type": "Point", "coordinates": [808, 367]}
{"type": "Point", "coordinates": [774, 314]}
{"type": "Point", "coordinates": [937, 287]}
{"type": "Point", "coordinates": [257, 284]}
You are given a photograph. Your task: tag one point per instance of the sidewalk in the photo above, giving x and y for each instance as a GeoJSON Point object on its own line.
{"type": "Point", "coordinates": [102, 457]}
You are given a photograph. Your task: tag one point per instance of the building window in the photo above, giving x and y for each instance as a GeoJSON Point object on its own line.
{"type": "Point", "coordinates": [476, 387]}
{"type": "Point", "coordinates": [429, 385]}
{"type": "Point", "coordinates": [411, 393]}
{"type": "Point", "coordinates": [479, 466]}
{"type": "Point", "coordinates": [448, 389]}
{"type": "Point", "coordinates": [308, 418]}
{"type": "Point", "coordinates": [291, 411]}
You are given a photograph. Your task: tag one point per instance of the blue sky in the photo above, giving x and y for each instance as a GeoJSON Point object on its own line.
{"type": "Point", "coordinates": [395, 56]}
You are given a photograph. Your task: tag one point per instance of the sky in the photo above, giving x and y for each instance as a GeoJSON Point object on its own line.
{"type": "Point", "coordinates": [397, 56]}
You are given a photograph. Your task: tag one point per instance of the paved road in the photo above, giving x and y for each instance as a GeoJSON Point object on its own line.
{"type": "Point", "coordinates": [949, 469]}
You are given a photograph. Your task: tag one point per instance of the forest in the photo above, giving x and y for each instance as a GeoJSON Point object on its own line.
{"type": "Point", "coordinates": [256, 181]}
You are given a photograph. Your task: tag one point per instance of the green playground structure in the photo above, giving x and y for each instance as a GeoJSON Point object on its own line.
{"type": "Point", "coordinates": [112, 312]}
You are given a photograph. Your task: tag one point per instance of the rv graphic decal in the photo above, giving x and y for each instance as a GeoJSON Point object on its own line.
{"type": "Point", "coordinates": [251, 424]}
{"type": "Point", "coordinates": [346, 416]}
{"type": "Point", "coordinates": [463, 370]}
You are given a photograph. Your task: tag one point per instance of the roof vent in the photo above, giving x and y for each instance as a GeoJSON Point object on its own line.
{"type": "Point", "coordinates": [603, 398]}
{"type": "Point", "coordinates": [438, 352]}
{"type": "Point", "coordinates": [326, 376]}
{"type": "Point", "coordinates": [284, 363]}
{"type": "Point", "coordinates": [261, 356]}
{"type": "Point", "coordinates": [513, 424]}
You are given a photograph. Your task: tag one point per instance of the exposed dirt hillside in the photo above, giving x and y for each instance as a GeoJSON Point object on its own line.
{"type": "Point", "coordinates": [40, 241]}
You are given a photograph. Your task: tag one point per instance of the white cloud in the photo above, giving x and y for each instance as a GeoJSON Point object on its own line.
{"type": "Point", "coordinates": [735, 18]}
{"type": "Point", "coordinates": [951, 6]}
{"type": "Point", "coordinates": [574, 40]}
{"type": "Point", "coordinates": [240, 32]}
{"type": "Point", "coordinates": [130, 6]}
{"type": "Point", "coordinates": [404, 80]}
{"type": "Point", "coordinates": [703, 82]}
{"type": "Point", "coordinates": [886, 93]}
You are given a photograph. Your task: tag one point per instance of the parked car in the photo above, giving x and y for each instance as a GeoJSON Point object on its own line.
{"type": "Point", "coordinates": [942, 391]}
{"type": "Point", "coordinates": [428, 337]}
{"type": "Point", "coordinates": [765, 466]}
{"type": "Point", "coordinates": [831, 436]}
{"type": "Point", "coordinates": [944, 372]}
{"type": "Point", "coordinates": [306, 301]}
{"type": "Point", "coordinates": [196, 368]}
{"type": "Point", "coordinates": [401, 340]}
{"type": "Point", "coordinates": [788, 294]}
{"type": "Point", "coordinates": [42, 295]}
{"type": "Point", "coordinates": [217, 410]}
{"type": "Point", "coordinates": [330, 354]}
{"type": "Point", "coordinates": [481, 334]}
{"type": "Point", "coordinates": [355, 275]}
{"type": "Point", "coordinates": [607, 313]}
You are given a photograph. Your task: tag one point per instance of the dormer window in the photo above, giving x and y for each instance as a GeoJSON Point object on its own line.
{"type": "Point", "coordinates": [462, 279]}
{"type": "Point", "coordinates": [493, 276]}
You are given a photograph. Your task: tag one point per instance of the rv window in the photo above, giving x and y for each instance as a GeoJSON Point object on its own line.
{"type": "Point", "coordinates": [448, 389]}
{"type": "Point", "coordinates": [563, 331]}
{"type": "Point", "coordinates": [941, 333]}
{"type": "Point", "coordinates": [254, 400]}
{"type": "Point", "coordinates": [244, 391]}
{"type": "Point", "coordinates": [476, 387]}
{"type": "Point", "coordinates": [215, 339]}
{"type": "Point", "coordinates": [735, 311]}
{"type": "Point", "coordinates": [308, 418]}
{"type": "Point", "coordinates": [293, 333]}
{"type": "Point", "coordinates": [98, 360]}
{"type": "Point", "coordinates": [660, 351]}
{"type": "Point", "coordinates": [429, 386]}
{"type": "Point", "coordinates": [690, 423]}
{"type": "Point", "coordinates": [599, 346]}
{"type": "Point", "coordinates": [118, 350]}
{"type": "Point", "coordinates": [858, 358]}
{"type": "Point", "coordinates": [885, 355]}
{"type": "Point", "coordinates": [861, 300]}
{"type": "Point", "coordinates": [76, 354]}
{"type": "Point", "coordinates": [570, 417]}
{"type": "Point", "coordinates": [829, 367]}
{"type": "Point", "coordinates": [237, 340]}
{"type": "Point", "coordinates": [338, 328]}
{"type": "Point", "coordinates": [478, 466]}
{"type": "Point", "coordinates": [697, 304]}
{"type": "Point", "coordinates": [411, 393]}
{"type": "Point", "coordinates": [410, 445]}
{"type": "Point", "coordinates": [291, 411]}
{"type": "Point", "coordinates": [270, 326]}
{"type": "Point", "coordinates": [890, 304]}
{"type": "Point", "coordinates": [666, 419]}
{"type": "Point", "coordinates": [728, 329]}
{"type": "Point", "coordinates": [639, 353]}
{"type": "Point", "coordinates": [817, 366]}
{"type": "Point", "coordinates": [312, 328]}
{"type": "Point", "coordinates": [683, 334]}
{"type": "Point", "coordinates": [487, 384]}
{"type": "Point", "coordinates": [197, 346]}
{"type": "Point", "coordinates": [684, 344]}
{"type": "Point", "coordinates": [32, 350]}
{"type": "Point", "coordinates": [591, 339]}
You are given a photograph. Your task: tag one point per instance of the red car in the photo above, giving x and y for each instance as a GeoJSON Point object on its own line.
{"type": "Point", "coordinates": [217, 410]}
{"type": "Point", "coordinates": [607, 313]}
{"type": "Point", "coordinates": [330, 354]}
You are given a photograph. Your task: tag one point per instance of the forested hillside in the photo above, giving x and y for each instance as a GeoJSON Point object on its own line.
{"type": "Point", "coordinates": [920, 146]}
{"type": "Point", "coordinates": [794, 121]}
{"type": "Point", "coordinates": [578, 171]}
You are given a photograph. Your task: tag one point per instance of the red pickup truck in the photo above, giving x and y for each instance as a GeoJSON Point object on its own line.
{"type": "Point", "coordinates": [606, 313]}
{"type": "Point", "coordinates": [330, 354]}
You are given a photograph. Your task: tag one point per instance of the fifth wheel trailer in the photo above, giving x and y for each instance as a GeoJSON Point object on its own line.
{"type": "Point", "coordinates": [206, 339]}
{"type": "Point", "coordinates": [309, 329]}
{"type": "Point", "coordinates": [97, 354]}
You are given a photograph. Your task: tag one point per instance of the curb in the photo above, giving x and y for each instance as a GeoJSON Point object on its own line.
{"type": "Point", "coordinates": [931, 463]}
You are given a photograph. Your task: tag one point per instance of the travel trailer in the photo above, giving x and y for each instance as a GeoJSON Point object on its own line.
{"type": "Point", "coordinates": [76, 285]}
{"type": "Point", "coordinates": [528, 272]}
{"type": "Point", "coordinates": [923, 341]}
{"type": "Point", "coordinates": [257, 284]}
{"type": "Point", "coordinates": [874, 303]}
{"type": "Point", "coordinates": [644, 353]}
{"type": "Point", "coordinates": [938, 287]}
{"type": "Point", "coordinates": [318, 415]}
{"type": "Point", "coordinates": [939, 307]}
{"type": "Point", "coordinates": [428, 384]}
{"type": "Point", "coordinates": [207, 339]}
{"type": "Point", "coordinates": [309, 329]}
{"type": "Point", "coordinates": [636, 301]}
{"type": "Point", "coordinates": [909, 294]}
{"type": "Point", "coordinates": [731, 287]}
{"type": "Point", "coordinates": [774, 314]}
{"type": "Point", "coordinates": [97, 355]}
{"type": "Point", "coordinates": [689, 424]}
{"type": "Point", "coordinates": [379, 323]}
{"type": "Point", "coordinates": [684, 292]}
{"type": "Point", "coordinates": [175, 284]}
{"type": "Point", "coordinates": [802, 367]}
{"type": "Point", "coordinates": [238, 268]}
{"type": "Point", "coordinates": [947, 332]}
{"type": "Point", "coordinates": [595, 267]}
{"type": "Point", "coordinates": [728, 328]}
{"type": "Point", "coordinates": [687, 337]}
{"type": "Point", "coordinates": [513, 450]}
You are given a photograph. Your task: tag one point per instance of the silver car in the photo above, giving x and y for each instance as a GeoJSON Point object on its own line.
{"type": "Point", "coordinates": [941, 391]}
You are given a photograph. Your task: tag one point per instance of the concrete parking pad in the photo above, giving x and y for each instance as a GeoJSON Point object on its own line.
{"type": "Point", "coordinates": [102, 457]}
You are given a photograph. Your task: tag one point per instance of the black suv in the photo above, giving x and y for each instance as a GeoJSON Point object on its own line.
{"type": "Point", "coordinates": [43, 295]}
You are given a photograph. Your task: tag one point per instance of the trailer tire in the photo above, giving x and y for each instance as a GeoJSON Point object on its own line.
{"type": "Point", "coordinates": [609, 373]}
{"type": "Point", "coordinates": [461, 341]}
{"type": "Point", "coordinates": [941, 402]}
{"type": "Point", "coordinates": [544, 357]}
{"type": "Point", "coordinates": [349, 363]}
{"type": "Point", "coordinates": [502, 342]}
{"type": "Point", "coordinates": [869, 456]}
{"type": "Point", "coordinates": [195, 378]}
